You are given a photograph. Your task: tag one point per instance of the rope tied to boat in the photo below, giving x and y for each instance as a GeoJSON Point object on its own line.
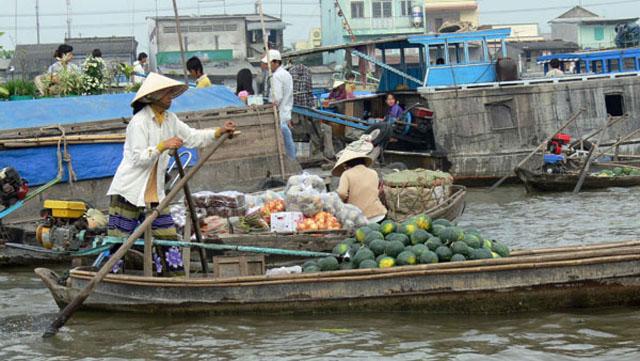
{"type": "Point", "coordinates": [63, 154]}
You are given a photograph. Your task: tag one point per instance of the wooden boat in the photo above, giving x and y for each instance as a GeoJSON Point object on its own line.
{"type": "Point", "coordinates": [542, 279]}
{"type": "Point", "coordinates": [539, 181]}
{"type": "Point", "coordinates": [31, 254]}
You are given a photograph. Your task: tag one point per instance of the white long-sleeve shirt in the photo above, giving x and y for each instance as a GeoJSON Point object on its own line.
{"type": "Point", "coordinates": [141, 153]}
{"type": "Point", "coordinates": [282, 93]}
{"type": "Point", "coordinates": [138, 68]}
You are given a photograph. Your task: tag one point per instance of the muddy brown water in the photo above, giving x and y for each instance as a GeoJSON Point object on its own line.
{"type": "Point", "coordinates": [521, 221]}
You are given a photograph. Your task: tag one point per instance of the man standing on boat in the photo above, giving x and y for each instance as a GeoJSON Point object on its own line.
{"type": "Point", "coordinates": [281, 94]}
{"type": "Point", "coordinates": [138, 184]}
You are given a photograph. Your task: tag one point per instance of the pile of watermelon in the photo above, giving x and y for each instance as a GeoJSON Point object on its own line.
{"type": "Point", "coordinates": [419, 240]}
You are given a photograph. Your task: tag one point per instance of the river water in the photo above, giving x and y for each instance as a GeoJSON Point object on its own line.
{"type": "Point", "coordinates": [508, 214]}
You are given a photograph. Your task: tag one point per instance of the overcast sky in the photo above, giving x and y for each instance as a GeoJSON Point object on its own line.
{"type": "Point", "coordinates": [127, 17]}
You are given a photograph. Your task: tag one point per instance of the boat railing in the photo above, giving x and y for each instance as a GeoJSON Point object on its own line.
{"type": "Point", "coordinates": [532, 81]}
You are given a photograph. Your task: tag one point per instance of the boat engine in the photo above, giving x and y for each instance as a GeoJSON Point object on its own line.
{"type": "Point", "coordinates": [12, 187]}
{"type": "Point", "coordinates": [554, 164]}
{"type": "Point", "coordinates": [557, 143]}
{"type": "Point", "coordinates": [65, 225]}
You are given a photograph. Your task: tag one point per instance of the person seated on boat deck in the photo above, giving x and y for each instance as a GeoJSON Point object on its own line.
{"type": "Point", "coordinates": [194, 67]}
{"type": "Point", "coordinates": [359, 184]}
{"type": "Point", "coordinates": [338, 91]}
{"type": "Point", "coordinates": [555, 71]}
{"type": "Point", "coordinates": [139, 68]}
{"type": "Point", "coordinates": [63, 55]}
{"type": "Point", "coordinates": [395, 110]}
{"type": "Point", "coordinates": [139, 181]}
{"type": "Point", "coordinates": [351, 85]}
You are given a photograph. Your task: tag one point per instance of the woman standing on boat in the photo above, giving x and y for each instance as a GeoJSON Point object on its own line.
{"type": "Point", "coordinates": [138, 184]}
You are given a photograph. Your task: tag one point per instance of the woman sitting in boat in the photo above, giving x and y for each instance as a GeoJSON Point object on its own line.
{"type": "Point", "coordinates": [339, 91]}
{"type": "Point", "coordinates": [395, 110]}
{"type": "Point", "coordinates": [139, 181]}
{"type": "Point", "coordinates": [359, 184]}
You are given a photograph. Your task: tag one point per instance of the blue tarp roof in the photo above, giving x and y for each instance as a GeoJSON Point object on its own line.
{"type": "Point", "coordinates": [39, 165]}
{"type": "Point", "coordinates": [69, 110]}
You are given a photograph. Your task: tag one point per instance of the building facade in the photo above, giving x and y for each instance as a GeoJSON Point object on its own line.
{"type": "Point", "coordinates": [213, 38]}
{"type": "Point", "coordinates": [370, 19]}
{"type": "Point", "coordinates": [587, 29]}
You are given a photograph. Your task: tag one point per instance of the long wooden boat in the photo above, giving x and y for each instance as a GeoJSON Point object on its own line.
{"type": "Point", "coordinates": [27, 254]}
{"type": "Point", "coordinates": [540, 181]}
{"type": "Point", "coordinates": [542, 279]}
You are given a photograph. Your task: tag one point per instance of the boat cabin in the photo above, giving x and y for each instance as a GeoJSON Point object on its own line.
{"type": "Point", "coordinates": [596, 62]}
{"type": "Point", "coordinates": [441, 60]}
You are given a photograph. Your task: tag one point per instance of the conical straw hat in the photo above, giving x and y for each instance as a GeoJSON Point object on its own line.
{"type": "Point", "coordinates": [156, 83]}
{"type": "Point", "coordinates": [346, 156]}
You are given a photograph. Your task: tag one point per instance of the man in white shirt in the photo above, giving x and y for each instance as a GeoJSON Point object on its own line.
{"type": "Point", "coordinates": [282, 96]}
{"type": "Point", "coordinates": [555, 71]}
{"type": "Point", "coordinates": [139, 181]}
{"type": "Point", "coordinates": [139, 68]}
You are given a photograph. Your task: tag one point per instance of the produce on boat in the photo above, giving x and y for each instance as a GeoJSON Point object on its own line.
{"type": "Point", "coordinates": [418, 240]}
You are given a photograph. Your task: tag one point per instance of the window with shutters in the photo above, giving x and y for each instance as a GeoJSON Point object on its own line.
{"type": "Point", "coordinates": [357, 9]}
{"type": "Point", "coordinates": [405, 7]}
{"type": "Point", "coordinates": [381, 9]}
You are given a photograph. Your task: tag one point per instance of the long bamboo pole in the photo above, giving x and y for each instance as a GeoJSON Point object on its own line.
{"type": "Point", "coordinates": [620, 141]}
{"type": "Point", "coordinates": [276, 113]}
{"type": "Point", "coordinates": [587, 163]}
{"type": "Point", "coordinates": [71, 308]}
{"type": "Point", "coordinates": [541, 146]}
{"type": "Point", "coordinates": [179, 32]}
{"type": "Point", "coordinates": [193, 216]}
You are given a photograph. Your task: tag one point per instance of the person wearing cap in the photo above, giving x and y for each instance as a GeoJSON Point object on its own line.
{"type": "Point", "coordinates": [359, 184]}
{"type": "Point", "coordinates": [139, 182]}
{"type": "Point", "coordinates": [282, 96]}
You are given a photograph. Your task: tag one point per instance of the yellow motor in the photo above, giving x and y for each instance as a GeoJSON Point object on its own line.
{"type": "Point", "coordinates": [65, 209]}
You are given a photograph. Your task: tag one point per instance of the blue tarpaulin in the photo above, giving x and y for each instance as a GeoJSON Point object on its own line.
{"type": "Point", "coordinates": [38, 165]}
{"type": "Point", "coordinates": [69, 110]}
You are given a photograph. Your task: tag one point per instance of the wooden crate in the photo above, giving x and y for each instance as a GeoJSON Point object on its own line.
{"type": "Point", "coordinates": [224, 267]}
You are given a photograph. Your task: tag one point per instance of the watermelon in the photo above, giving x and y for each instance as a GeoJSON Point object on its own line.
{"type": "Point", "coordinates": [423, 222]}
{"type": "Point", "coordinates": [328, 264]}
{"type": "Point", "coordinates": [406, 258]}
{"type": "Point", "coordinates": [444, 253]}
{"type": "Point", "coordinates": [394, 248]}
{"type": "Point", "coordinates": [346, 265]}
{"type": "Point", "coordinates": [460, 247]}
{"type": "Point", "coordinates": [361, 233]}
{"type": "Point", "coordinates": [369, 263]}
{"type": "Point", "coordinates": [371, 236]}
{"type": "Point", "coordinates": [399, 237]}
{"type": "Point", "coordinates": [374, 227]}
{"type": "Point", "coordinates": [312, 269]}
{"type": "Point", "coordinates": [442, 222]}
{"type": "Point", "coordinates": [438, 229]}
{"type": "Point", "coordinates": [387, 227]}
{"type": "Point", "coordinates": [500, 249]}
{"type": "Point", "coordinates": [458, 258]}
{"type": "Point", "coordinates": [449, 235]}
{"type": "Point", "coordinates": [472, 241]}
{"type": "Point", "coordinates": [428, 257]}
{"type": "Point", "coordinates": [433, 243]}
{"type": "Point", "coordinates": [341, 249]}
{"type": "Point", "coordinates": [420, 236]}
{"type": "Point", "coordinates": [480, 253]}
{"type": "Point", "coordinates": [419, 249]}
{"type": "Point", "coordinates": [378, 246]}
{"type": "Point", "coordinates": [386, 262]}
{"type": "Point", "coordinates": [363, 254]}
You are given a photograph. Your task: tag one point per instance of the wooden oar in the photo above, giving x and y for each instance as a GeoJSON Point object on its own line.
{"type": "Point", "coordinates": [192, 211]}
{"type": "Point", "coordinates": [69, 310]}
{"type": "Point", "coordinates": [541, 146]}
{"type": "Point", "coordinates": [623, 139]}
{"type": "Point", "coordinates": [587, 163]}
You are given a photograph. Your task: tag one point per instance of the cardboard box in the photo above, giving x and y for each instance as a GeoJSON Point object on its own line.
{"type": "Point", "coordinates": [285, 222]}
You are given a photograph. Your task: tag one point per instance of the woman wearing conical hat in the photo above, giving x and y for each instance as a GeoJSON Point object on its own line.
{"type": "Point", "coordinates": [139, 181]}
{"type": "Point", "coordinates": [359, 184]}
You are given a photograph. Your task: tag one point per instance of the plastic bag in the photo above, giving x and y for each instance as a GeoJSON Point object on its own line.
{"type": "Point", "coordinates": [352, 217]}
{"type": "Point", "coordinates": [304, 181]}
{"type": "Point", "coordinates": [223, 204]}
{"type": "Point", "coordinates": [179, 215]}
{"type": "Point", "coordinates": [332, 203]}
{"type": "Point", "coordinates": [306, 200]}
